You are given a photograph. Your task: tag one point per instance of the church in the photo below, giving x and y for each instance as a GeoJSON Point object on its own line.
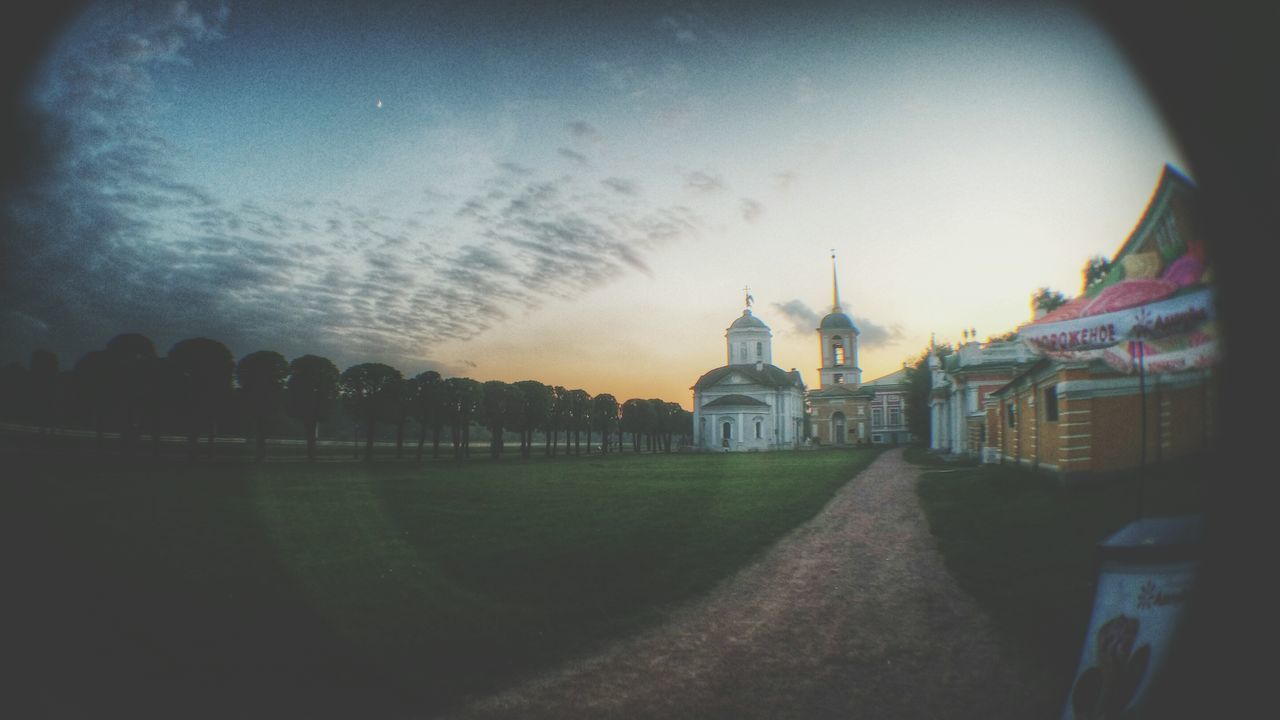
{"type": "Point", "coordinates": [843, 409]}
{"type": "Point", "coordinates": [749, 403]}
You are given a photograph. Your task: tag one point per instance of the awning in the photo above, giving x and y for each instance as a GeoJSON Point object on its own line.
{"type": "Point", "coordinates": [1170, 326]}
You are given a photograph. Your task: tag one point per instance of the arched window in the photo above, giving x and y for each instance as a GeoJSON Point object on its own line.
{"type": "Point", "coordinates": [759, 429]}
{"type": "Point", "coordinates": [837, 351]}
{"type": "Point", "coordinates": [742, 352]}
{"type": "Point", "coordinates": [759, 350]}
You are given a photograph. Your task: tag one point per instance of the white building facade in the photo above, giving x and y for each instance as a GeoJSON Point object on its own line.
{"type": "Point", "coordinates": [748, 404]}
{"type": "Point", "coordinates": [961, 382]}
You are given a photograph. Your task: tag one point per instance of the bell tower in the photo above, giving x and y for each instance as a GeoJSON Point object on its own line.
{"type": "Point", "coordinates": [838, 342]}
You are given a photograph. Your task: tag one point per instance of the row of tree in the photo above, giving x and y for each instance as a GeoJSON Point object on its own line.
{"type": "Point", "coordinates": [129, 387]}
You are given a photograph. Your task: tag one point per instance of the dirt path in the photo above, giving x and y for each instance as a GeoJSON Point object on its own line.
{"type": "Point", "coordinates": [850, 615]}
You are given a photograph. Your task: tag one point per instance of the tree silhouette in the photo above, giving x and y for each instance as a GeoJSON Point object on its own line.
{"type": "Point", "coordinates": [633, 420]}
{"type": "Point", "coordinates": [400, 405]}
{"type": "Point", "coordinates": [371, 392]}
{"type": "Point", "coordinates": [133, 360]}
{"type": "Point", "coordinates": [42, 399]}
{"type": "Point", "coordinates": [1095, 273]}
{"type": "Point", "coordinates": [427, 398]}
{"type": "Point", "coordinates": [261, 376]}
{"type": "Point", "coordinates": [95, 390]}
{"type": "Point", "coordinates": [202, 370]}
{"type": "Point", "coordinates": [604, 412]}
{"type": "Point", "coordinates": [462, 397]}
{"type": "Point", "coordinates": [556, 419]}
{"type": "Point", "coordinates": [494, 413]}
{"type": "Point", "coordinates": [1046, 300]}
{"type": "Point", "coordinates": [311, 394]}
{"type": "Point", "coordinates": [578, 411]}
{"type": "Point", "coordinates": [15, 384]}
{"type": "Point", "coordinates": [537, 404]}
{"type": "Point", "coordinates": [682, 422]}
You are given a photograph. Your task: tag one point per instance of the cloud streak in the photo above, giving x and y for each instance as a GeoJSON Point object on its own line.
{"type": "Point", "coordinates": [804, 320]}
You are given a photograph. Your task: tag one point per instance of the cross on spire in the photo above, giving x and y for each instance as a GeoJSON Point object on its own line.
{"type": "Point", "coordinates": [747, 289]}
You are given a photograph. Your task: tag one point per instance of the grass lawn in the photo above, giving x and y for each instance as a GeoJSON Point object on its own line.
{"type": "Point", "coordinates": [291, 589]}
{"type": "Point", "coordinates": [1024, 545]}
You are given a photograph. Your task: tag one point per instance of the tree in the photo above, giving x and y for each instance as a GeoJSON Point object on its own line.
{"type": "Point", "coordinates": [311, 394]}
{"type": "Point", "coordinates": [400, 405]}
{"type": "Point", "coordinates": [604, 412]}
{"type": "Point", "coordinates": [427, 398]}
{"type": "Point", "coordinates": [1095, 273]}
{"type": "Point", "coordinates": [658, 426]}
{"type": "Point", "coordinates": [1046, 300]}
{"type": "Point", "coordinates": [95, 390]}
{"type": "Point", "coordinates": [495, 412]}
{"type": "Point", "coordinates": [133, 360]}
{"type": "Point", "coordinates": [682, 424]}
{"type": "Point", "coordinates": [578, 412]}
{"type": "Point", "coordinates": [920, 386]}
{"type": "Point", "coordinates": [538, 400]}
{"type": "Point", "coordinates": [261, 377]}
{"type": "Point", "coordinates": [42, 403]}
{"type": "Point", "coordinates": [371, 392]}
{"type": "Point", "coordinates": [637, 415]}
{"type": "Point", "coordinates": [462, 398]}
{"type": "Point", "coordinates": [557, 418]}
{"type": "Point", "coordinates": [202, 370]}
{"type": "Point", "coordinates": [15, 382]}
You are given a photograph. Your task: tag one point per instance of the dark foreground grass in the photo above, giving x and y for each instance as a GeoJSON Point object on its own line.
{"type": "Point", "coordinates": [1025, 546]}
{"type": "Point", "coordinates": [233, 590]}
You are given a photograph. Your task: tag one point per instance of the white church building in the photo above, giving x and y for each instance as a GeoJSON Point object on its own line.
{"type": "Point", "coordinates": [749, 403]}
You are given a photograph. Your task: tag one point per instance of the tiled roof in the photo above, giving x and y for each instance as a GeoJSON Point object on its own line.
{"type": "Point", "coordinates": [736, 399]}
{"type": "Point", "coordinates": [768, 375]}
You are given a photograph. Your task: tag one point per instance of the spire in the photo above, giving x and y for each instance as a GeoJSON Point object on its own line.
{"type": "Point", "coordinates": [835, 285]}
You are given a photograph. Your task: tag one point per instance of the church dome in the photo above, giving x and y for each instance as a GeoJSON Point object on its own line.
{"type": "Point", "coordinates": [747, 321]}
{"type": "Point", "coordinates": [838, 321]}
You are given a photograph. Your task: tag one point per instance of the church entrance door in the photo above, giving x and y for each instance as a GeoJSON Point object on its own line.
{"type": "Point", "coordinates": [838, 432]}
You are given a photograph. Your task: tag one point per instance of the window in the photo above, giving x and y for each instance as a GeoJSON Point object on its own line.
{"type": "Point", "coordinates": [1011, 411]}
{"type": "Point", "coordinates": [759, 432]}
{"type": "Point", "coordinates": [759, 350]}
{"type": "Point", "coordinates": [877, 416]}
{"type": "Point", "coordinates": [895, 416]}
{"type": "Point", "coordinates": [742, 352]}
{"type": "Point", "coordinates": [838, 378]}
{"type": "Point", "coordinates": [1051, 404]}
{"type": "Point", "coordinates": [837, 352]}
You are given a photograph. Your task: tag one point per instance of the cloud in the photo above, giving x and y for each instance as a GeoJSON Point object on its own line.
{"type": "Point", "coordinates": [804, 320]}
{"type": "Point", "coordinates": [682, 26]}
{"type": "Point", "coordinates": [575, 156]}
{"type": "Point", "coordinates": [872, 335]}
{"type": "Point", "coordinates": [751, 210]}
{"type": "Point", "coordinates": [621, 185]}
{"type": "Point", "coordinates": [582, 130]}
{"type": "Point", "coordinates": [105, 239]}
{"type": "Point", "coordinates": [704, 183]}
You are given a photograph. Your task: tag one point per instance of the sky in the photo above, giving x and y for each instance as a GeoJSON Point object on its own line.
{"type": "Point", "coordinates": [576, 193]}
